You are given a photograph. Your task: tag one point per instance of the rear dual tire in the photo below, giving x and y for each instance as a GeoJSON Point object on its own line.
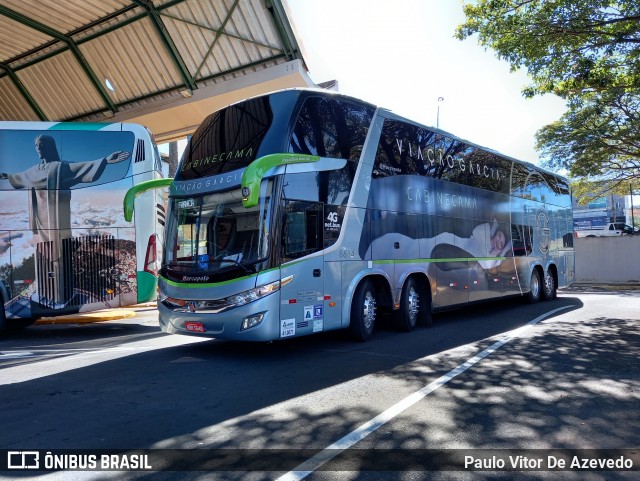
{"type": "Point", "coordinates": [542, 289]}
{"type": "Point", "coordinates": [549, 289]}
{"type": "Point", "coordinates": [415, 306]}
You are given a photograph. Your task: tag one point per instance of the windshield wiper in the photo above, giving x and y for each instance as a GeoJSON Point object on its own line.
{"type": "Point", "coordinates": [235, 262]}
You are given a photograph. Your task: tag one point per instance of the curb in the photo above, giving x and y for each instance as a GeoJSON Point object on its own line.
{"type": "Point", "coordinates": [88, 317]}
{"type": "Point", "coordinates": [598, 287]}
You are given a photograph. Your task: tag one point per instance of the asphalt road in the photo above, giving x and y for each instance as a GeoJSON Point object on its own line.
{"type": "Point", "coordinates": [483, 382]}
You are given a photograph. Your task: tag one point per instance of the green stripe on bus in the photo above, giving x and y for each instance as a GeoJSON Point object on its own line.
{"type": "Point", "coordinates": [191, 285]}
{"type": "Point", "coordinates": [435, 261]}
{"type": "Point", "coordinates": [79, 126]}
{"type": "Point", "coordinates": [204, 285]}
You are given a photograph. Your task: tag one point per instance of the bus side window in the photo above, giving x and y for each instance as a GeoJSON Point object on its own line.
{"type": "Point", "coordinates": [521, 239]}
{"type": "Point", "coordinates": [302, 232]}
{"type": "Point", "coordinates": [331, 128]}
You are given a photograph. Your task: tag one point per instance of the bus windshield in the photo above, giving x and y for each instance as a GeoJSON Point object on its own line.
{"type": "Point", "coordinates": [211, 233]}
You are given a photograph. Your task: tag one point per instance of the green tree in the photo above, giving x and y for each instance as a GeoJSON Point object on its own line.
{"type": "Point", "coordinates": [587, 52]}
{"type": "Point", "coordinates": [597, 142]}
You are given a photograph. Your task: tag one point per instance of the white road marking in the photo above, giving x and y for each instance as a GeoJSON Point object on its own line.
{"type": "Point", "coordinates": [4, 355]}
{"type": "Point", "coordinates": [86, 357]}
{"type": "Point", "coordinates": [324, 456]}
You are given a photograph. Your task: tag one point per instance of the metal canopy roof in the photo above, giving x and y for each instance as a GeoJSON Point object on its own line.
{"type": "Point", "coordinates": [158, 62]}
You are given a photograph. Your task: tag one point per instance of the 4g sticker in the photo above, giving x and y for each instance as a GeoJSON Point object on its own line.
{"type": "Point", "coordinates": [333, 222]}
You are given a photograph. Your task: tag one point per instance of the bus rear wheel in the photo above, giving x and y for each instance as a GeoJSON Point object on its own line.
{"type": "Point", "coordinates": [415, 306]}
{"type": "Point", "coordinates": [363, 311]}
{"type": "Point", "coordinates": [549, 291]}
{"type": "Point", "coordinates": [410, 306]}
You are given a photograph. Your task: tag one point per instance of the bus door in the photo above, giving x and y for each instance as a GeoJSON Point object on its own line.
{"type": "Point", "coordinates": [404, 248]}
{"type": "Point", "coordinates": [508, 269]}
{"type": "Point", "coordinates": [302, 299]}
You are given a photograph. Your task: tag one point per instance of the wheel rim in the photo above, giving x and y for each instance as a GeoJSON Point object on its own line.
{"type": "Point", "coordinates": [413, 305]}
{"type": "Point", "coordinates": [369, 310]}
{"type": "Point", "coordinates": [549, 283]}
{"type": "Point", "coordinates": [535, 286]}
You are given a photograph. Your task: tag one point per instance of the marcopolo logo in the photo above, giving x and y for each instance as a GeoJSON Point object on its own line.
{"type": "Point", "coordinates": [195, 278]}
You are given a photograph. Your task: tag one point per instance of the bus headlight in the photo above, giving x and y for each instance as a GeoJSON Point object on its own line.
{"type": "Point", "coordinates": [256, 293]}
{"type": "Point", "coordinates": [251, 321]}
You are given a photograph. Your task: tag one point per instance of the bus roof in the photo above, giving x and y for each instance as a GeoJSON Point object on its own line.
{"type": "Point", "coordinates": [398, 117]}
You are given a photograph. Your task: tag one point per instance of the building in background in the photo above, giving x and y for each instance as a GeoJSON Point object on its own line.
{"type": "Point", "coordinates": [632, 210]}
{"type": "Point", "coordinates": [599, 212]}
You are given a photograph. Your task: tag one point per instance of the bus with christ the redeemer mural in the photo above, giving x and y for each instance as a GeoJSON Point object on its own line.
{"type": "Point", "coordinates": [64, 245]}
{"type": "Point", "coordinates": [304, 211]}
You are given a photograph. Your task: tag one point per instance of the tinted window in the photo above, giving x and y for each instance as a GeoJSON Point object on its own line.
{"type": "Point", "coordinates": [530, 183]}
{"type": "Point", "coordinates": [521, 237]}
{"type": "Point", "coordinates": [301, 229]}
{"type": "Point", "coordinates": [331, 128]}
{"type": "Point", "coordinates": [302, 186]}
{"type": "Point", "coordinates": [329, 187]}
{"type": "Point", "coordinates": [406, 149]}
{"type": "Point", "coordinates": [227, 140]}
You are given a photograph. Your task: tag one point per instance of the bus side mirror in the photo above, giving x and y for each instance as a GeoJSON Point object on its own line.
{"type": "Point", "coordinates": [128, 203]}
{"type": "Point", "coordinates": [256, 170]}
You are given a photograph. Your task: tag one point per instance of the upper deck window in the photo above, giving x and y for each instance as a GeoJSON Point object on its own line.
{"type": "Point", "coordinates": [530, 183]}
{"type": "Point", "coordinates": [227, 140]}
{"type": "Point", "coordinates": [331, 127]}
{"type": "Point", "coordinates": [408, 149]}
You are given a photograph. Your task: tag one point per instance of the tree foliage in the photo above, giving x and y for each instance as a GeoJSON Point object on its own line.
{"type": "Point", "coordinates": [585, 51]}
{"type": "Point", "coordinates": [600, 136]}
{"type": "Point", "coordinates": [567, 46]}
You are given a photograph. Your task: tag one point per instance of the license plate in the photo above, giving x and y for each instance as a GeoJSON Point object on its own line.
{"type": "Point", "coordinates": [194, 326]}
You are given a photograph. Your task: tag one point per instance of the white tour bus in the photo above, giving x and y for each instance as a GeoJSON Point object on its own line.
{"type": "Point", "coordinates": [304, 211]}
{"type": "Point", "coordinates": [64, 244]}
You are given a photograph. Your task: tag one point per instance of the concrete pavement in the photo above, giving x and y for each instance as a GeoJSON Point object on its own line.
{"type": "Point", "coordinates": [130, 311]}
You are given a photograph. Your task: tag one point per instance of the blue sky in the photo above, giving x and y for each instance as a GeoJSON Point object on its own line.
{"type": "Point", "coordinates": [401, 55]}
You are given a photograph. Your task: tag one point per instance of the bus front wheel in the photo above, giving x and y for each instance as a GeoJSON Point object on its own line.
{"type": "Point", "coordinates": [535, 287]}
{"type": "Point", "coordinates": [363, 312]}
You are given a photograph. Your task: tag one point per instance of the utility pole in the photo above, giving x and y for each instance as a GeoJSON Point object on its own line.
{"type": "Point", "coordinates": [633, 220]}
{"type": "Point", "coordinates": [173, 158]}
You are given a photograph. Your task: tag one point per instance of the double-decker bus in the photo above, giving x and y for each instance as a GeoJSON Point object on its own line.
{"type": "Point", "coordinates": [305, 211]}
{"type": "Point", "coordinates": [64, 244]}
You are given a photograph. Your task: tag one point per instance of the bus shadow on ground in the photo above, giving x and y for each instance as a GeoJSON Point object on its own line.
{"type": "Point", "coordinates": [566, 386]}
